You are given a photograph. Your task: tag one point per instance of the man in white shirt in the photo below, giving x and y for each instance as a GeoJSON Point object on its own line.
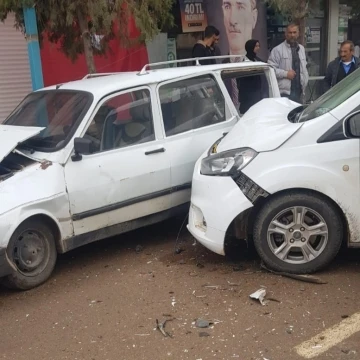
{"type": "Point", "coordinates": [289, 62]}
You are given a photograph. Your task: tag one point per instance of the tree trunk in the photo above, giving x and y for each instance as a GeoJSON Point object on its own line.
{"type": "Point", "coordinates": [88, 51]}
{"type": "Point", "coordinates": [301, 23]}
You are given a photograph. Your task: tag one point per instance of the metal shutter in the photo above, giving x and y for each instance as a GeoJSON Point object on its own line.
{"type": "Point", "coordinates": [15, 78]}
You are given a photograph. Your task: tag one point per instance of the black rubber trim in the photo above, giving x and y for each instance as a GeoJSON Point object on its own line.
{"type": "Point", "coordinates": [155, 151]}
{"type": "Point", "coordinates": [129, 202]}
{"type": "Point", "coordinates": [5, 267]}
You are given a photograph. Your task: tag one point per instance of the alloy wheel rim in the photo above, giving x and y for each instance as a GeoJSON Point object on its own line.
{"type": "Point", "coordinates": [297, 235]}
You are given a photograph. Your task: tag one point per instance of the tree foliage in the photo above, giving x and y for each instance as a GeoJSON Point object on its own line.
{"type": "Point", "coordinates": [297, 9]}
{"type": "Point", "coordinates": [86, 26]}
{"type": "Point", "coordinates": [300, 9]}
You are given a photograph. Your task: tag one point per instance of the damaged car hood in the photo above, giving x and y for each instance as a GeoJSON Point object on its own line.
{"type": "Point", "coordinates": [12, 136]}
{"type": "Point", "coordinates": [264, 127]}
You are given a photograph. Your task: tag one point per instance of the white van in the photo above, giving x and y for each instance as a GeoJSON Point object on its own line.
{"type": "Point", "coordinates": [93, 158]}
{"type": "Point", "coordinates": [286, 177]}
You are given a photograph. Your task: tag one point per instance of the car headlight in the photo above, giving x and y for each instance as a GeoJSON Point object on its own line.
{"type": "Point", "coordinates": [227, 163]}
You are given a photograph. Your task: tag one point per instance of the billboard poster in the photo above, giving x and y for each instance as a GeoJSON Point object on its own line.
{"type": "Point", "coordinates": [193, 15]}
{"type": "Point", "coordinates": [238, 22]}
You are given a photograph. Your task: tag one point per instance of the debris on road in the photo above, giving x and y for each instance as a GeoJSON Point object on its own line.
{"type": "Point", "coordinates": [305, 278]}
{"type": "Point", "coordinates": [238, 268]}
{"type": "Point", "coordinates": [161, 327]}
{"type": "Point", "coordinates": [259, 295]}
{"type": "Point", "coordinates": [179, 251]}
{"type": "Point", "coordinates": [202, 324]}
{"type": "Point", "coordinates": [203, 334]}
{"type": "Point", "coordinates": [139, 249]}
{"type": "Point", "coordinates": [198, 296]}
{"type": "Point", "coordinates": [211, 286]}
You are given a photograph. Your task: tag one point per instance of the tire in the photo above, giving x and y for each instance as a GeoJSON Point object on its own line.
{"type": "Point", "coordinates": [301, 248]}
{"type": "Point", "coordinates": [32, 249]}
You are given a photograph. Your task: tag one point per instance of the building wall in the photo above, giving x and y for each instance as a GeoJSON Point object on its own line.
{"type": "Point", "coordinates": [15, 79]}
{"type": "Point", "coordinates": [57, 68]}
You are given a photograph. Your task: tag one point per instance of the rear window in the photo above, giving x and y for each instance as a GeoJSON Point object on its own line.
{"type": "Point", "coordinates": [247, 87]}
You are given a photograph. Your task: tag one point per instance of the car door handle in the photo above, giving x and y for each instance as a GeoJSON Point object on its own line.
{"type": "Point", "coordinates": [161, 150]}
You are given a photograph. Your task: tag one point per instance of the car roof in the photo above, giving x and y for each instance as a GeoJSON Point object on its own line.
{"type": "Point", "coordinates": [100, 86]}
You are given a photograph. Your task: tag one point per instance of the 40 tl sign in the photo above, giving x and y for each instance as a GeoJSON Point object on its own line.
{"type": "Point", "coordinates": [193, 15]}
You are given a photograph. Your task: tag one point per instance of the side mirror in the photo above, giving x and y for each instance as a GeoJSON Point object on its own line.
{"type": "Point", "coordinates": [351, 126]}
{"type": "Point", "coordinates": [81, 146]}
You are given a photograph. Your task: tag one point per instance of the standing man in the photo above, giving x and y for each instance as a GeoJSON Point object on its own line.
{"type": "Point", "coordinates": [205, 48]}
{"type": "Point", "coordinates": [289, 61]}
{"type": "Point", "coordinates": [342, 66]}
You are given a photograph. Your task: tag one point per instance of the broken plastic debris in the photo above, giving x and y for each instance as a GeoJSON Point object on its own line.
{"type": "Point", "coordinates": [200, 323]}
{"type": "Point", "coordinates": [259, 295]}
{"type": "Point", "coordinates": [203, 334]}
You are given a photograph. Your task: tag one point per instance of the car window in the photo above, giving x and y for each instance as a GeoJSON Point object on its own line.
{"type": "Point", "coordinates": [333, 98]}
{"type": "Point", "coordinates": [246, 87]}
{"type": "Point", "coordinates": [191, 104]}
{"type": "Point", "coordinates": [122, 121]}
{"type": "Point", "coordinates": [59, 111]}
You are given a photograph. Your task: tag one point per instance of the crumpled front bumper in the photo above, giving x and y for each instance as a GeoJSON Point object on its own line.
{"type": "Point", "coordinates": [6, 268]}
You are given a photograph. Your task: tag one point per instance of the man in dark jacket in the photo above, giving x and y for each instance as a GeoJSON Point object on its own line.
{"type": "Point", "coordinates": [342, 66]}
{"type": "Point", "coordinates": [205, 48]}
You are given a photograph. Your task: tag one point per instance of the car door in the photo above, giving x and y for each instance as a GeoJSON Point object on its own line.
{"type": "Point", "coordinates": [195, 114]}
{"type": "Point", "coordinates": [347, 161]}
{"type": "Point", "coordinates": [127, 174]}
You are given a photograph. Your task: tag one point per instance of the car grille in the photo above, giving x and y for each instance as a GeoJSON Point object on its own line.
{"type": "Point", "coordinates": [251, 190]}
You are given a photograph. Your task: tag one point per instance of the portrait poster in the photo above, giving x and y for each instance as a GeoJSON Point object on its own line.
{"type": "Point", "coordinates": [193, 15]}
{"type": "Point", "coordinates": [239, 21]}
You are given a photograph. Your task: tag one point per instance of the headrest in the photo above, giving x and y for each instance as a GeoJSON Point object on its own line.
{"type": "Point", "coordinates": [103, 113]}
{"type": "Point", "coordinates": [140, 113]}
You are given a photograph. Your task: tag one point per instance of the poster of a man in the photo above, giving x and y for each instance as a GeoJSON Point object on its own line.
{"type": "Point", "coordinates": [238, 22]}
{"type": "Point", "coordinates": [240, 17]}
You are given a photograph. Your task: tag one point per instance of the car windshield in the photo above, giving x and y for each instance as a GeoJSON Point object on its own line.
{"type": "Point", "coordinates": [332, 98]}
{"type": "Point", "coordinates": [59, 111]}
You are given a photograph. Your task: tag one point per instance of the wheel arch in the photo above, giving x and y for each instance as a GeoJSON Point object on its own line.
{"type": "Point", "coordinates": [50, 222]}
{"type": "Point", "coordinates": [247, 219]}
{"type": "Point", "coordinates": [337, 207]}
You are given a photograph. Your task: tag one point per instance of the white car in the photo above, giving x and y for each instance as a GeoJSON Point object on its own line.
{"type": "Point", "coordinates": [287, 178]}
{"type": "Point", "coordinates": [89, 159]}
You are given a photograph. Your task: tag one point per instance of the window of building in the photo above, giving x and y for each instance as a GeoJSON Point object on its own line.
{"type": "Point", "coordinates": [122, 121]}
{"type": "Point", "coordinates": [191, 104]}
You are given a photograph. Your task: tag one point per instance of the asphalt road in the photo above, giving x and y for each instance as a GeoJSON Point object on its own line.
{"type": "Point", "coordinates": [104, 299]}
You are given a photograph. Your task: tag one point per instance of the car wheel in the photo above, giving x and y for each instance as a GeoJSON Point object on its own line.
{"type": "Point", "coordinates": [32, 250]}
{"type": "Point", "coordinates": [298, 232]}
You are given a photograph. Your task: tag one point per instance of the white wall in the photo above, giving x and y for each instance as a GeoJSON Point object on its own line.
{"type": "Point", "coordinates": [333, 29]}
{"type": "Point", "coordinates": [157, 48]}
